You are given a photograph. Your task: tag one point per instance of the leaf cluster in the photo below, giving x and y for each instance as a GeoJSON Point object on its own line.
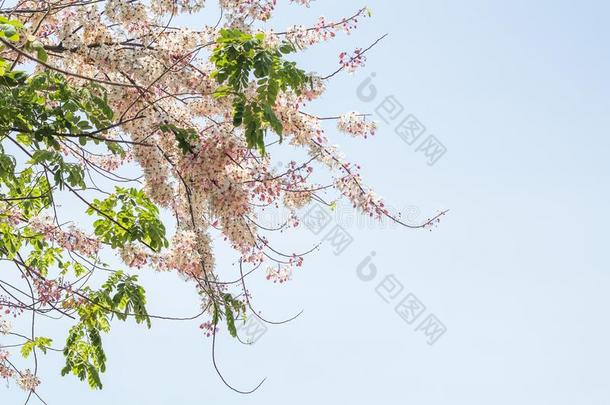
{"type": "Point", "coordinates": [128, 215]}
{"type": "Point", "coordinates": [240, 57]}
{"type": "Point", "coordinates": [120, 297]}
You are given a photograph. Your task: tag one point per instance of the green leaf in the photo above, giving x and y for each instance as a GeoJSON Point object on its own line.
{"type": "Point", "coordinates": [120, 297]}
{"type": "Point", "coordinates": [239, 57]}
{"type": "Point", "coordinates": [9, 31]}
{"type": "Point", "coordinates": [41, 54]}
{"type": "Point", "coordinates": [127, 216]}
{"type": "Point", "coordinates": [40, 342]}
{"type": "Point", "coordinates": [184, 136]}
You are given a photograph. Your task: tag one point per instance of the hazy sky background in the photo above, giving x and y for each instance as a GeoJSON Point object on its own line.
{"type": "Point", "coordinates": [518, 92]}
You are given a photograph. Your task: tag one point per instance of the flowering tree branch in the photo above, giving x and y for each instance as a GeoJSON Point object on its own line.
{"type": "Point", "coordinates": [198, 113]}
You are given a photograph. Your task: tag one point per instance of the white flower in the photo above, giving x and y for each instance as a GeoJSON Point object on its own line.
{"type": "Point", "coordinates": [5, 327]}
{"type": "Point", "coordinates": [356, 125]}
{"type": "Point", "coordinates": [28, 381]}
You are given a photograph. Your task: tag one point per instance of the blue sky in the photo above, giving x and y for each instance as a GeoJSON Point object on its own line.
{"type": "Point", "coordinates": [518, 93]}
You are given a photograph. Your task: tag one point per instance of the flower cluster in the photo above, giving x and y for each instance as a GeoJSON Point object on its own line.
{"type": "Point", "coordinates": [5, 327]}
{"type": "Point", "coordinates": [322, 31]}
{"type": "Point", "coordinates": [305, 3]}
{"type": "Point", "coordinates": [183, 256]}
{"type": "Point", "coordinates": [134, 256]}
{"type": "Point", "coordinates": [297, 199]}
{"type": "Point", "coordinates": [175, 6]}
{"type": "Point", "coordinates": [28, 381]}
{"type": "Point", "coordinates": [239, 10]}
{"type": "Point", "coordinates": [208, 328]}
{"type": "Point", "coordinates": [5, 371]}
{"type": "Point", "coordinates": [365, 200]}
{"type": "Point", "coordinates": [352, 62]}
{"type": "Point", "coordinates": [356, 124]}
{"type": "Point", "coordinates": [12, 215]}
{"type": "Point", "coordinates": [72, 240]}
{"type": "Point", "coordinates": [7, 307]}
{"type": "Point", "coordinates": [49, 291]}
{"type": "Point", "coordinates": [279, 274]}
